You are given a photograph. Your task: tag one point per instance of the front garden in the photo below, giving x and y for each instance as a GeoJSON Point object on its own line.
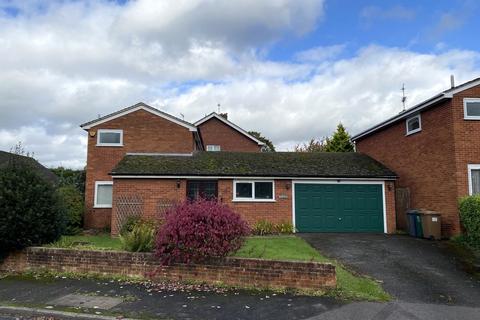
{"type": "Point", "coordinates": [282, 247]}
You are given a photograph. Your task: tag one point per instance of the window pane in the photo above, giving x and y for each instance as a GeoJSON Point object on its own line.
{"type": "Point", "coordinates": [263, 190]}
{"type": "Point", "coordinates": [212, 147]}
{"type": "Point", "coordinates": [202, 189]}
{"type": "Point", "coordinates": [109, 137]}
{"type": "Point", "coordinates": [244, 190]}
{"type": "Point", "coordinates": [475, 181]}
{"type": "Point", "coordinates": [413, 124]}
{"type": "Point", "coordinates": [104, 194]}
{"type": "Point", "coordinates": [473, 109]}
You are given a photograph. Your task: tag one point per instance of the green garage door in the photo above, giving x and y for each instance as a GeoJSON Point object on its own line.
{"type": "Point", "coordinates": [338, 207]}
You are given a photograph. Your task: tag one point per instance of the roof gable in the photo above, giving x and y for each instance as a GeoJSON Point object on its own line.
{"type": "Point", "coordinates": [215, 115]}
{"type": "Point", "coordinates": [136, 107]}
{"type": "Point", "coordinates": [445, 95]}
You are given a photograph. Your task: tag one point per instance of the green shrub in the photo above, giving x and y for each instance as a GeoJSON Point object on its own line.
{"type": "Point", "coordinates": [470, 219]}
{"type": "Point", "coordinates": [140, 239]}
{"type": "Point", "coordinates": [263, 227]}
{"type": "Point", "coordinates": [129, 224]}
{"type": "Point", "coordinates": [31, 212]}
{"type": "Point", "coordinates": [73, 202]}
{"type": "Point", "coordinates": [284, 228]}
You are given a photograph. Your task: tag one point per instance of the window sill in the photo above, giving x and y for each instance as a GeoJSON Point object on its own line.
{"type": "Point", "coordinates": [109, 145]}
{"type": "Point", "coordinates": [413, 132]}
{"type": "Point", "coordinates": [254, 200]}
{"type": "Point", "coordinates": [471, 118]}
{"type": "Point", "coordinates": [102, 207]}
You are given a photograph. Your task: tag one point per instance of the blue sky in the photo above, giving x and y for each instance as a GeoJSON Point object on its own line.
{"type": "Point", "coordinates": [423, 26]}
{"type": "Point", "coordinates": [305, 64]}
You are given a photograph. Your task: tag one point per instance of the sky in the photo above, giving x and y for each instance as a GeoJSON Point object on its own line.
{"type": "Point", "coordinates": [290, 69]}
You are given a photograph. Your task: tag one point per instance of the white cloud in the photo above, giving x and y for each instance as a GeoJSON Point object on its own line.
{"type": "Point", "coordinates": [63, 63]}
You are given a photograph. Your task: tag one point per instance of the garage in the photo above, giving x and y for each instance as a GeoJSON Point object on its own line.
{"type": "Point", "coordinates": [339, 207]}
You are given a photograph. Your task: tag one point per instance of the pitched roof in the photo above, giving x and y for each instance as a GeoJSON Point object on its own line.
{"type": "Point", "coordinates": [254, 164]}
{"type": "Point", "coordinates": [228, 123]}
{"type": "Point", "coordinates": [6, 157]}
{"type": "Point", "coordinates": [135, 107]}
{"type": "Point", "coordinates": [445, 95]}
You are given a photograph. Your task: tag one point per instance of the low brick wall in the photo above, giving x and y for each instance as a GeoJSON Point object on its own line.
{"type": "Point", "coordinates": [229, 271]}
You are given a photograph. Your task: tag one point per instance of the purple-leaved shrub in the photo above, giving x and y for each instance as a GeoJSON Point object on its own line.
{"type": "Point", "coordinates": [195, 231]}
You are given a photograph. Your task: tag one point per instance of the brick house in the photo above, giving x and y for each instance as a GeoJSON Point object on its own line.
{"type": "Point", "coordinates": [433, 147]}
{"type": "Point", "coordinates": [141, 160]}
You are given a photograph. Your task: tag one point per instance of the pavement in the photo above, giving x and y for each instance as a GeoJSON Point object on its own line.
{"type": "Point", "coordinates": [411, 269]}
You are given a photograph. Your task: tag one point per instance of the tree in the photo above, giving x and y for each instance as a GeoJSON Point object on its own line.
{"type": "Point", "coordinates": [31, 212]}
{"type": "Point", "coordinates": [312, 146]}
{"type": "Point", "coordinates": [339, 142]}
{"type": "Point", "coordinates": [70, 177]}
{"type": "Point", "coordinates": [268, 147]}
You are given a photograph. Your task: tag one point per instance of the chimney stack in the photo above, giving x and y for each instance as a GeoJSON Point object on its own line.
{"type": "Point", "coordinates": [224, 115]}
{"type": "Point", "coordinates": [452, 81]}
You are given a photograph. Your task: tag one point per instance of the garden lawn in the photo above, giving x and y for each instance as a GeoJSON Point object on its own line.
{"type": "Point", "coordinates": [97, 242]}
{"type": "Point", "coordinates": [349, 285]}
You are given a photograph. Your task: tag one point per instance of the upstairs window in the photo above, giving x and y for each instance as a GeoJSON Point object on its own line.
{"type": "Point", "coordinates": [253, 191]}
{"type": "Point", "coordinates": [110, 138]}
{"type": "Point", "coordinates": [471, 108]}
{"type": "Point", "coordinates": [414, 124]}
{"type": "Point", "coordinates": [213, 147]}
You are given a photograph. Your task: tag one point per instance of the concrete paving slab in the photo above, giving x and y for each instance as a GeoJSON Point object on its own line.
{"type": "Point", "coordinates": [87, 301]}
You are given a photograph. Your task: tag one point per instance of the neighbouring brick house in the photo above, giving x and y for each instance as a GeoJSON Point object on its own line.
{"type": "Point", "coordinates": [141, 160]}
{"type": "Point", "coordinates": [434, 149]}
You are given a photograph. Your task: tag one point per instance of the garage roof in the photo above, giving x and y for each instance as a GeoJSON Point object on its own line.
{"type": "Point", "coordinates": [253, 164]}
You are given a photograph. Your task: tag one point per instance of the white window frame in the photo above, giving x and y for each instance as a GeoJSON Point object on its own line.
{"type": "Point", "coordinates": [252, 199]}
{"type": "Point", "coordinates": [101, 183]}
{"type": "Point", "coordinates": [470, 168]}
{"type": "Point", "coordinates": [419, 122]}
{"type": "Point", "coordinates": [465, 114]}
{"type": "Point", "coordinates": [213, 147]}
{"type": "Point", "coordinates": [99, 144]}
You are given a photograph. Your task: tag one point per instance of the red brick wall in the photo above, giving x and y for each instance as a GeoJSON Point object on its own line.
{"type": "Point", "coordinates": [424, 162]}
{"type": "Point", "coordinates": [142, 132]}
{"type": "Point", "coordinates": [254, 273]}
{"type": "Point", "coordinates": [153, 192]}
{"type": "Point", "coordinates": [216, 132]}
{"type": "Point", "coordinates": [164, 191]}
{"type": "Point", "coordinates": [467, 140]}
{"type": "Point", "coordinates": [276, 212]}
{"type": "Point", "coordinates": [390, 206]}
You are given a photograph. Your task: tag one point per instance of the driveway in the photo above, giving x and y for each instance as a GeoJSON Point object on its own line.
{"type": "Point", "coordinates": [412, 270]}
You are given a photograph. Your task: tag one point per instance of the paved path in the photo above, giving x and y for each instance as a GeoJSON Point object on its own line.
{"type": "Point", "coordinates": [141, 302]}
{"type": "Point", "coordinates": [412, 270]}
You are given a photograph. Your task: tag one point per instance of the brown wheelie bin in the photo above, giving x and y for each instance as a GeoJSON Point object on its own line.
{"type": "Point", "coordinates": [431, 223]}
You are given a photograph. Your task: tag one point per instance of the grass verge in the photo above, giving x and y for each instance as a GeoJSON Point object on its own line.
{"type": "Point", "coordinates": [350, 286]}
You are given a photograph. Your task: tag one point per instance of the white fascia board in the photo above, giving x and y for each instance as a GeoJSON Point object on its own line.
{"type": "Point", "coordinates": [141, 107]}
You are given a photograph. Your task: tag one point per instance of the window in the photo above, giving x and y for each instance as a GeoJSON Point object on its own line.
{"type": "Point", "coordinates": [474, 179]}
{"type": "Point", "coordinates": [253, 191]}
{"type": "Point", "coordinates": [110, 138]}
{"type": "Point", "coordinates": [103, 194]}
{"type": "Point", "coordinates": [471, 109]}
{"type": "Point", "coordinates": [213, 147]}
{"type": "Point", "coordinates": [414, 124]}
{"type": "Point", "coordinates": [206, 189]}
